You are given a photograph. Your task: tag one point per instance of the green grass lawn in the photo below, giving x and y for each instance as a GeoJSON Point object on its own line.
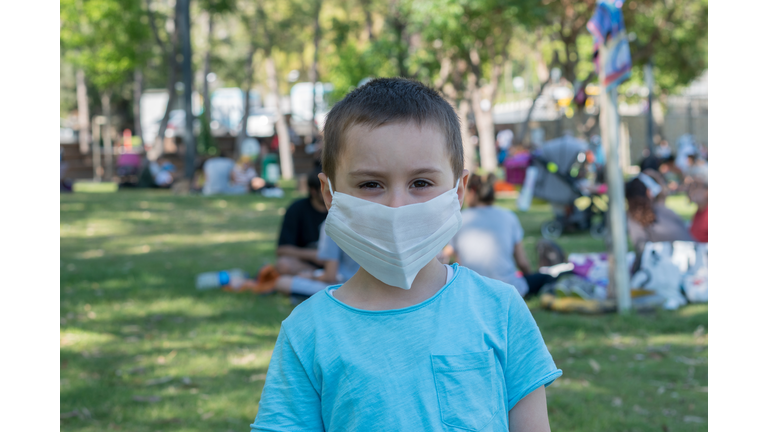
{"type": "Point", "coordinates": [142, 350]}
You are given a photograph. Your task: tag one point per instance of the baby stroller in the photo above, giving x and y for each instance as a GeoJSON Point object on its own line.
{"type": "Point", "coordinates": [562, 167]}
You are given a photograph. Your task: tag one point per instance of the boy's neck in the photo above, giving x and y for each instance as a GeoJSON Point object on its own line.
{"type": "Point", "coordinates": [364, 291]}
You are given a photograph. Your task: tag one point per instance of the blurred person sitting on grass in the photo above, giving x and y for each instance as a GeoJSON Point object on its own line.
{"type": "Point", "coordinates": [672, 174]}
{"type": "Point", "coordinates": [300, 232]}
{"type": "Point", "coordinates": [244, 175]}
{"type": "Point", "coordinates": [662, 192]}
{"type": "Point", "coordinates": [217, 172]}
{"type": "Point", "coordinates": [490, 240]}
{"type": "Point", "coordinates": [698, 193]}
{"type": "Point", "coordinates": [338, 267]}
{"type": "Point", "coordinates": [162, 172]}
{"type": "Point", "coordinates": [64, 185]}
{"type": "Point", "coordinates": [648, 221]}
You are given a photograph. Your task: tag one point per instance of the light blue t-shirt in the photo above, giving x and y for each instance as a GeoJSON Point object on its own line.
{"type": "Point", "coordinates": [458, 361]}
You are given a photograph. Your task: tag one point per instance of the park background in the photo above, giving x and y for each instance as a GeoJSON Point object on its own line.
{"type": "Point", "coordinates": [141, 349]}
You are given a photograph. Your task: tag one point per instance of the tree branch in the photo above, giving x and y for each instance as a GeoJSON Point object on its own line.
{"type": "Point", "coordinates": [151, 15]}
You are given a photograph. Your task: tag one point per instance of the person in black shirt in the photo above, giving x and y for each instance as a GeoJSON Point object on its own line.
{"type": "Point", "coordinates": [297, 245]}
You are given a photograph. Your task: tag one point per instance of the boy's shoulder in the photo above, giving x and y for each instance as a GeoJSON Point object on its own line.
{"type": "Point", "coordinates": [305, 317]}
{"type": "Point", "coordinates": [473, 284]}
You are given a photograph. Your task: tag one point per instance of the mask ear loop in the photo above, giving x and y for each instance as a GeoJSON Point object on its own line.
{"type": "Point", "coordinates": [330, 187]}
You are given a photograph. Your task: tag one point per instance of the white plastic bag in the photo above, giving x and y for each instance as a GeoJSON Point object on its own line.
{"type": "Point", "coordinates": [696, 280]}
{"type": "Point", "coordinates": [658, 273]}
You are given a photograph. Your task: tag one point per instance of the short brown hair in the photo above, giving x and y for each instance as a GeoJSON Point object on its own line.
{"type": "Point", "coordinates": [391, 100]}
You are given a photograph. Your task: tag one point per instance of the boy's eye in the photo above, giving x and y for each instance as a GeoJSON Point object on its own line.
{"type": "Point", "coordinates": [419, 184]}
{"type": "Point", "coordinates": [369, 185]}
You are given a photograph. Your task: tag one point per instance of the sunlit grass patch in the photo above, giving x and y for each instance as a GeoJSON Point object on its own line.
{"type": "Point", "coordinates": [78, 339]}
{"type": "Point", "coordinates": [92, 187]}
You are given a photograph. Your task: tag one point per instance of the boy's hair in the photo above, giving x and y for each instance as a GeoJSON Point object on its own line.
{"type": "Point", "coordinates": [385, 101]}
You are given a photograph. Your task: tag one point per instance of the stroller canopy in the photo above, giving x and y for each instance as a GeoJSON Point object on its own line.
{"type": "Point", "coordinates": [557, 155]}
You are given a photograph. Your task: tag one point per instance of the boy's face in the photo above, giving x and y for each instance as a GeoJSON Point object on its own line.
{"type": "Point", "coordinates": [394, 165]}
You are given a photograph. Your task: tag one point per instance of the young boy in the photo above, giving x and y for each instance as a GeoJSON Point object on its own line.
{"type": "Point", "coordinates": [407, 343]}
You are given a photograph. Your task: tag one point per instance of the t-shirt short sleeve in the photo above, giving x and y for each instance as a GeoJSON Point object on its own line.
{"type": "Point", "coordinates": [289, 401]}
{"type": "Point", "coordinates": [529, 363]}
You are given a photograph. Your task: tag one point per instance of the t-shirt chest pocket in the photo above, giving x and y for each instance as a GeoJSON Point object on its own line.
{"type": "Point", "coordinates": [467, 389]}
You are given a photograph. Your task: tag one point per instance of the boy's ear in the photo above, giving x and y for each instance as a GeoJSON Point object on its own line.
{"type": "Point", "coordinates": [463, 186]}
{"type": "Point", "coordinates": [325, 191]}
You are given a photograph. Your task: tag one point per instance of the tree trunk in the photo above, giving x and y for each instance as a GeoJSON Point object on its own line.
{"type": "Point", "coordinates": [469, 148]}
{"type": "Point", "coordinates": [173, 69]}
{"type": "Point", "coordinates": [658, 115]}
{"type": "Point", "coordinates": [247, 90]}
{"type": "Point", "coordinates": [98, 171]}
{"type": "Point", "coordinates": [524, 130]}
{"type": "Point", "coordinates": [138, 88]}
{"type": "Point", "coordinates": [485, 131]}
{"type": "Point", "coordinates": [398, 28]}
{"type": "Point", "coordinates": [368, 18]}
{"type": "Point", "coordinates": [82, 112]}
{"type": "Point", "coordinates": [157, 148]}
{"type": "Point", "coordinates": [108, 153]}
{"type": "Point", "coordinates": [286, 159]}
{"type": "Point", "coordinates": [206, 71]}
{"type": "Point", "coordinates": [189, 120]}
{"type": "Point", "coordinates": [313, 69]}
{"type": "Point", "coordinates": [484, 117]}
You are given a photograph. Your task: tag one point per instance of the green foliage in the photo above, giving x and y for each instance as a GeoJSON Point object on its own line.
{"type": "Point", "coordinates": [206, 145]}
{"type": "Point", "coordinates": [107, 38]}
{"type": "Point", "coordinates": [68, 86]}
{"type": "Point", "coordinates": [673, 35]}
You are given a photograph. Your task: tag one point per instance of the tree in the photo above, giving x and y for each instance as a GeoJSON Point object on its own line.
{"type": "Point", "coordinates": [209, 11]}
{"type": "Point", "coordinates": [106, 40]}
{"type": "Point", "coordinates": [673, 35]}
{"type": "Point", "coordinates": [478, 34]}
{"type": "Point", "coordinates": [170, 50]}
{"type": "Point", "coordinates": [279, 22]}
{"type": "Point", "coordinates": [313, 75]}
{"type": "Point", "coordinates": [250, 20]}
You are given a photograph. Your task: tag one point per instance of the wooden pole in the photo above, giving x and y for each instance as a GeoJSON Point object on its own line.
{"type": "Point", "coordinates": [609, 129]}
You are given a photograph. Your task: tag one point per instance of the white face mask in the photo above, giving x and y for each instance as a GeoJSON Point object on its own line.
{"type": "Point", "coordinates": [393, 243]}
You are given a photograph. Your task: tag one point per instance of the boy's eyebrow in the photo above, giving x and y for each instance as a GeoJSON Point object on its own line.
{"type": "Point", "coordinates": [373, 173]}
